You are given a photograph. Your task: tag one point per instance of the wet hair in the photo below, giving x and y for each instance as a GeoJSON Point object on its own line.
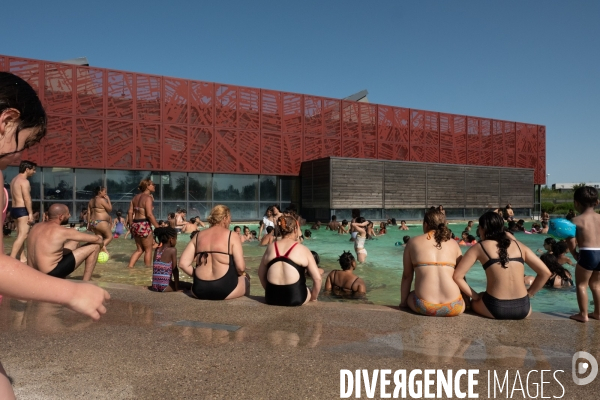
{"type": "Point", "coordinates": [286, 224]}
{"type": "Point", "coordinates": [162, 235]}
{"type": "Point", "coordinates": [193, 234]}
{"type": "Point", "coordinates": [436, 221]}
{"type": "Point", "coordinates": [193, 220]}
{"type": "Point", "coordinates": [98, 190]}
{"type": "Point", "coordinates": [470, 238]}
{"type": "Point", "coordinates": [333, 217]}
{"type": "Point", "coordinates": [253, 232]}
{"type": "Point", "coordinates": [171, 215]}
{"type": "Point", "coordinates": [493, 226]}
{"type": "Point", "coordinates": [559, 248]}
{"type": "Point", "coordinates": [405, 239]}
{"type": "Point", "coordinates": [393, 221]}
{"type": "Point", "coordinates": [119, 214]}
{"type": "Point", "coordinates": [270, 229]}
{"type": "Point", "coordinates": [25, 165]}
{"type": "Point", "coordinates": [218, 214]}
{"type": "Point", "coordinates": [345, 260]}
{"type": "Point", "coordinates": [144, 183]}
{"type": "Point", "coordinates": [403, 222]}
{"type": "Point", "coordinates": [344, 222]}
{"type": "Point", "coordinates": [18, 94]}
{"type": "Point", "coordinates": [587, 196]}
{"type": "Point", "coordinates": [316, 257]}
{"type": "Point", "coordinates": [511, 225]}
{"type": "Point", "coordinates": [307, 233]}
{"type": "Point", "coordinates": [160, 222]}
{"type": "Point", "coordinates": [554, 266]}
{"type": "Point", "coordinates": [244, 228]}
{"type": "Point", "coordinates": [521, 222]}
{"type": "Point", "coordinates": [550, 241]}
{"type": "Point", "coordinates": [235, 227]}
{"type": "Point", "coordinates": [360, 220]}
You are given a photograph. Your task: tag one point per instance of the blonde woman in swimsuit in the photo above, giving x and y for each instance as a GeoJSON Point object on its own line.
{"type": "Point", "coordinates": [431, 258]}
{"type": "Point", "coordinates": [99, 220]}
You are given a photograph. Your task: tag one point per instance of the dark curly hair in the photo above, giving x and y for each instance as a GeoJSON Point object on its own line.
{"type": "Point", "coordinates": [493, 226]}
{"type": "Point", "coordinates": [554, 266]}
{"type": "Point", "coordinates": [559, 248]}
{"type": "Point", "coordinates": [436, 221]}
{"type": "Point", "coordinates": [162, 235]}
{"type": "Point", "coordinates": [345, 260]}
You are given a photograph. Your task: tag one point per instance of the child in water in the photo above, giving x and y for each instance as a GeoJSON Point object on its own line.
{"type": "Point", "coordinates": [403, 226]}
{"type": "Point", "coordinates": [344, 280]}
{"type": "Point", "coordinates": [344, 227]}
{"type": "Point", "coordinates": [382, 229]}
{"type": "Point", "coordinates": [165, 274]}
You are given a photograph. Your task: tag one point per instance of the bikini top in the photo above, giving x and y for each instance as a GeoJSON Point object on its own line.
{"type": "Point", "coordinates": [285, 258]}
{"type": "Point", "coordinates": [342, 288]}
{"type": "Point", "coordinates": [202, 256]}
{"type": "Point", "coordinates": [439, 264]}
{"type": "Point", "coordinates": [492, 261]}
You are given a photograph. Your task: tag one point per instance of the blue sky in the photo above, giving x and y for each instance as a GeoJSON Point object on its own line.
{"type": "Point", "coordinates": [533, 61]}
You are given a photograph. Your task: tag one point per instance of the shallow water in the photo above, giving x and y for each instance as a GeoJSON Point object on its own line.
{"type": "Point", "coordinates": [382, 272]}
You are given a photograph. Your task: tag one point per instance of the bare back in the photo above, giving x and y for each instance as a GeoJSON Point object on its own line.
{"type": "Point", "coordinates": [503, 283]}
{"type": "Point", "coordinates": [434, 268]}
{"type": "Point", "coordinates": [138, 203]}
{"type": "Point", "coordinates": [98, 209]}
{"type": "Point", "coordinates": [282, 273]}
{"type": "Point", "coordinates": [588, 229]}
{"type": "Point", "coordinates": [20, 189]}
{"type": "Point", "coordinates": [212, 253]}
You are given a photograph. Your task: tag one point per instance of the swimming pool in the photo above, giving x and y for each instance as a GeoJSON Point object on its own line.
{"type": "Point", "coordinates": [382, 272]}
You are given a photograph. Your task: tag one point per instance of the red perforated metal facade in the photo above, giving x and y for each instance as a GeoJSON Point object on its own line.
{"type": "Point", "coordinates": [100, 118]}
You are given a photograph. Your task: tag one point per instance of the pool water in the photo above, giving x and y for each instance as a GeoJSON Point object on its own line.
{"type": "Point", "coordinates": [382, 272]}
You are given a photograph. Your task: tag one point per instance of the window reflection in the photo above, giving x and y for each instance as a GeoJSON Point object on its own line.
{"type": "Point", "coordinates": [58, 183]}
{"type": "Point", "coordinates": [242, 210]}
{"type": "Point", "coordinates": [235, 187]}
{"type": "Point", "coordinates": [173, 186]}
{"type": "Point", "coordinates": [201, 210]}
{"type": "Point", "coordinates": [200, 187]}
{"type": "Point", "coordinates": [86, 181]}
{"type": "Point", "coordinates": [290, 189]}
{"type": "Point", "coordinates": [123, 185]}
{"type": "Point", "coordinates": [268, 188]}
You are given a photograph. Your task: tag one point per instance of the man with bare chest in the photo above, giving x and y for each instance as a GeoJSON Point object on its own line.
{"type": "Point", "coordinates": [54, 250]}
{"type": "Point", "coordinates": [21, 210]}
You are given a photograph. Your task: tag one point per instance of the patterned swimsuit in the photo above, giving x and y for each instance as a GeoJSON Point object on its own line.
{"type": "Point", "coordinates": [161, 272]}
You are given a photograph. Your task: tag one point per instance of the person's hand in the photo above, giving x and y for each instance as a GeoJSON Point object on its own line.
{"type": "Point", "coordinates": [89, 300]}
{"type": "Point", "coordinates": [476, 296]}
{"type": "Point", "coordinates": [30, 219]}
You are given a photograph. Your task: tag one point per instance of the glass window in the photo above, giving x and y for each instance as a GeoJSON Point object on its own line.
{"type": "Point", "coordinates": [69, 204]}
{"type": "Point", "coordinates": [58, 183]}
{"type": "Point", "coordinates": [200, 187]}
{"type": "Point", "coordinates": [123, 185]}
{"type": "Point", "coordinates": [290, 189]}
{"type": "Point", "coordinates": [404, 213]}
{"type": "Point", "coordinates": [199, 209]}
{"type": "Point", "coordinates": [235, 187]}
{"type": "Point", "coordinates": [79, 207]}
{"type": "Point", "coordinates": [268, 188]}
{"type": "Point", "coordinates": [173, 185]}
{"type": "Point", "coordinates": [36, 207]}
{"type": "Point", "coordinates": [455, 212]}
{"type": "Point", "coordinates": [35, 181]}
{"type": "Point", "coordinates": [243, 210]}
{"type": "Point", "coordinates": [171, 207]}
{"type": "Point", "coordinates": [86, 181]}
{"type": "Point", "coordinates": [121, 206]}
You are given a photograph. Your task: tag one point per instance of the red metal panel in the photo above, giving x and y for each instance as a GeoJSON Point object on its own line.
{"type": "Point", "coordinates": [120, 93]}
{"type": "Point", "coordinates": [526, 145]}
{"type": "Point", "coordinates": [351, 148]}
{"type": "Point", "coordinates": [90, 91]}
{"type": "Point", "coordinates": [176, 101]}
{"type": "Point", "coordinates": [368, 122]}
{"type": "Point", "coordinates": [487, 141]}
{"type": "Point", "coordinates": [201, 147]}
{"type": "Point", "coordinates": [58, 143]}
{"type": "Point", "coordinates": [202, 96]}
{"type": "Point", "coordinates": [147, 146]}
{"type": "Point", "coordinates": [393, 133]}
{"type": "Point", "coordinates": [292, 156]}
{"type": "Point", "coordinates": [424, 136]}
{"type": "Point", "coordinates": [331, 118]}
{"type": "Point", "coordinates": [119, 146]}
{"type": "Point", "coordinates": [473, 141]}
{"type": "Point", "coordinates": [237, 151]}
{"type": "Point", "coordinates": [292, 113]}
{"type": "Point", "coordinates": [271, 111]}
{"type": "Point", "coordinates": [499, 152]}
{"type": "Point", "coordinates": [58, 88]}
{"type": "Point", "coordinates": [313, 147]}
{"type": "Point", "coordinates": [350, 124]}
{"type": "Point", "coordinates": [271, 144]}
{"type": "Point", "coordinates": [313, 116]}
{"type": "Point", "coordinates": [332, 147]}
{"type": "Point", "coordinates": [540, 171]}
{"type": "Point", "coordinates": [89, 142]}
{"type": "Point", "coordinates": [175, 148]}
{"type": "Point", "coordinates": [3, 64]}
{"type": "Point", "coordinates": [226, 106]}
{"type": "Point", "coordinates": [453, 139]}
{"type": "Point", "coordinates": [510, 144]}
{"type": "Point", "coordinates": [249, 108]}
{"type": "Point", "coordinates": [148, 97]}
{"type": "Point", "coordinates": [359, 130]}
{"type": "Point", "coordinates": [249, 152]}
{"type": "Point", "coordinates": [34, 153]}
{"type": "Point", "coordinates": [28, 70]}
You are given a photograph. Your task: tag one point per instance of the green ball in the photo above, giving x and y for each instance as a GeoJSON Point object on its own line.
{"type": "Point", "coordinates": [102, 257]}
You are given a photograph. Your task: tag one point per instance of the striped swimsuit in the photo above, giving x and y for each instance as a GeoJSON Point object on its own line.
{"type": "Point", "coordinates": [161, 272]}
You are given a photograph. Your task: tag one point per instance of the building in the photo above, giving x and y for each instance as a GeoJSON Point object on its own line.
{"type": "Point", "coordinates": [569, 186]}
{"type": "Point", "coordinates": [205, 143]}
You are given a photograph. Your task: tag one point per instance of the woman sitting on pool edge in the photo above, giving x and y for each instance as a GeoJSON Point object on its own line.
{"type": "Point", "coordinates": [431, 258]}
{"type": "Point", "coordinates": [282, 270]}
{"type": "Point", "coordinates": [345, 281]}
{"type": "Point", "coordinates": [220, 272]}
{"type": "Point", "coordinates": [506, 296]}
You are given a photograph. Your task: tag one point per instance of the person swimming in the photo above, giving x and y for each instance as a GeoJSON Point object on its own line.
{"type": "Point", "coordinates": [344, 280]}
{"type": "Point", "coordinates": [560, 278]}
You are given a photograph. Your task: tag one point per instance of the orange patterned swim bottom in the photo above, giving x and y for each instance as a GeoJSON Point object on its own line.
{"type": "Point", "coordinates": [450, 309]}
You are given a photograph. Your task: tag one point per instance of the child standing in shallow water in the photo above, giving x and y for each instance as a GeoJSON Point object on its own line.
{"type": "Point", "coordinates": [587, 271]}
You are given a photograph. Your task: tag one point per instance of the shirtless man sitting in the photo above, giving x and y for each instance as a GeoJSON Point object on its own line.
{"type": "Point", "coordinates": [53, 249]}
{"type": "Point", "coordinates": [189, 227]}
{"type": "Point", "coordinates": [21, 211]}
{"type": "Point", "coordinates": [180, 220]}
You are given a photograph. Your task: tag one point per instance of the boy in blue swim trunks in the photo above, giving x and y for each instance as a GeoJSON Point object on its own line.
{"type": "Point", "coordinates": [587, 272]}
